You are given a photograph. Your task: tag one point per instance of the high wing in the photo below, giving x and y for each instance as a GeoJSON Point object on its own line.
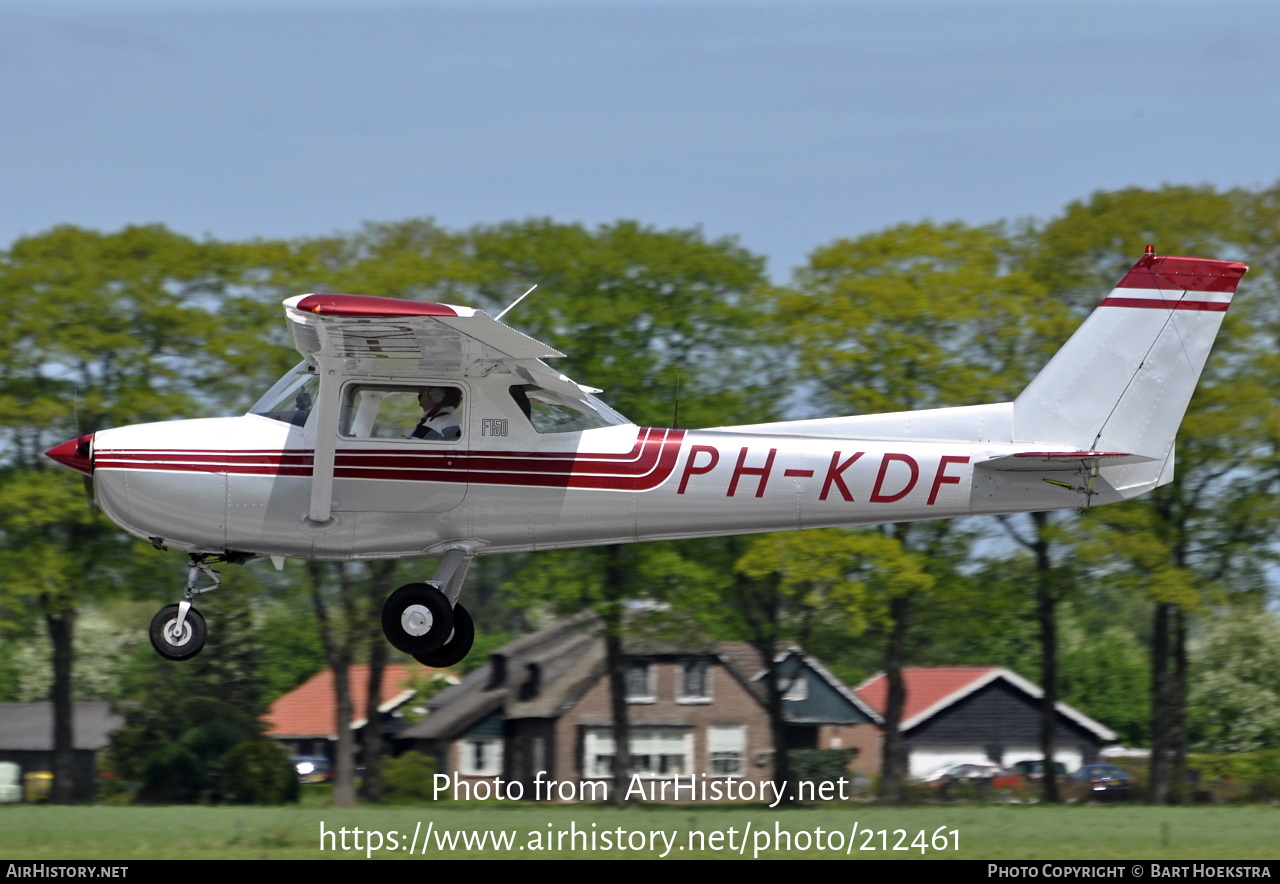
{"type": "Point", "coordinates": [432, 336]}
{"type": "Point", "coordinates": [381, 336]}
{"type": "Point", "coordinates": [356, 335]}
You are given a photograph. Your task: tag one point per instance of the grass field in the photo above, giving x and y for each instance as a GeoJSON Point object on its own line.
{"type": "Point", "coordinates": [537, 832]}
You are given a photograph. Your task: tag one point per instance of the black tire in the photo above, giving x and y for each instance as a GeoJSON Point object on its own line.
{"type": "Point", "coordinates": [457, 647]}
{"type": "Point", "coordinates": [178, 647]}
{"type": "Point", "coordinates": [417, 619]}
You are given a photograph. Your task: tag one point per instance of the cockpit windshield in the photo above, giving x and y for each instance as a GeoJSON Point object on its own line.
{"type": "Point", "coordinates": [290, 398]}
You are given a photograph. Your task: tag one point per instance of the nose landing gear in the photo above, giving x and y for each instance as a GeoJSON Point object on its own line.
{"type": "Point", "coordinates": [178, 632]}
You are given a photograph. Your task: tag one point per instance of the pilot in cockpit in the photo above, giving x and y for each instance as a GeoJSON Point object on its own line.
{"type": "Point", "coordinates": [439, 413]}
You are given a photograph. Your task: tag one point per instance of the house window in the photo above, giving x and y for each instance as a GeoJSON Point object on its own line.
{"type": "Point", "coordinates": [598, 753]}
{"type": "Point", "coordinates": [480, 757]}
{"type": "Point", "coordinates": [695, 682]}
{"type": "Point", "coordinates": [639, 682]}
{"type": "Point", "coordinates": [654, 751]}
{"type": "Point", "coordinates": [661, 752]}
{"type": "Point", "coordinates": [727, 749]}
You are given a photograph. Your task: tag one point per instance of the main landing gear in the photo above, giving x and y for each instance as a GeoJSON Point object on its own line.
{"type": "Point", "coordinates": [418, 620]}
{"type": "Point", "coordinates": [178, 631]}
{"type": "Point", "coordinates": [425, 620]}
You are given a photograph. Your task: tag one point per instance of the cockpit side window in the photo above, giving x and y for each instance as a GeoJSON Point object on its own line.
{"type": "Point", "coordinates": [428, 412]}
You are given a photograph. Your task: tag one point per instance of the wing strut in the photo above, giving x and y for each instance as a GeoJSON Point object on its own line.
{"type": "Point", "coordinates": [320, 512]}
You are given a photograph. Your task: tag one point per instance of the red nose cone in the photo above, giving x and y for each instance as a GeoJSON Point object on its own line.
{"type": "Point", "coordinates": [74, 454]}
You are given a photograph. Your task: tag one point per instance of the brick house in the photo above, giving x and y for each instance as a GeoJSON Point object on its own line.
{"type": "Point", "coordinates": [696, 708]}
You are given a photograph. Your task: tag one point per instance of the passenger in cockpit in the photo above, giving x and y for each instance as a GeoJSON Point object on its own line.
{"type": "Point", "coordinates": [439, 413]}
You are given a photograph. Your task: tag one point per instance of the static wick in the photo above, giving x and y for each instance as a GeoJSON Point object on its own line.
{"type": "Point", "coordinates": [516, 301]}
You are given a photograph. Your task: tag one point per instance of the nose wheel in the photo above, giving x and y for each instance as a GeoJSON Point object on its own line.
{"type": "Point", "coordinates": [178, 637]}
{"type": "Point", "coordinates": [178, 632]}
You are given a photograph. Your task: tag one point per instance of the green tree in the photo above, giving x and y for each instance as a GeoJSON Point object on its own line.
{"type": "Point", "coordinates": [833, 579]}
{"type": "Point", "coordinates": [1208, 530]}
{"type": "Point", "coordinates": [347, 598]}
{"type": "Point", "coordinates": [640, 312]}
{"type": "Point", "coordinates": [182, 720]}
{"type": "Point", "coordinates": [917, 316]}
{"type": "Point", "coordinates": [258, 772]}
{"type": "Point", "coordinates": [1234, 703]}
{"type": "Point", "coordinates": [102, 330]}
{"type": "Point", "coordinates": [1105, 672]}
{"type": "Point", "coordinates": [173, 750]}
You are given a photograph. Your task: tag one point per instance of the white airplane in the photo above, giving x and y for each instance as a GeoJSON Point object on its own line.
{"type": "Point", "coordinates": [413, 429]}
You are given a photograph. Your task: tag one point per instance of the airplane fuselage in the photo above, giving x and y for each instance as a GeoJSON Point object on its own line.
{"type": "Point", "coordinates": [243, 484]}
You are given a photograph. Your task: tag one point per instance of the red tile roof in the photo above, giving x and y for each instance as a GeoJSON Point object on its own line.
{"type": "Point", "coordinates": [932, 689]}
{"type": "Point", "coordinates": [309, 710]}
{"type": "Point", "coordinates": [926, 687]}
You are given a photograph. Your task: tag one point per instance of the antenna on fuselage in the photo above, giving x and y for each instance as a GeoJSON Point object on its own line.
{"type": "Point", "coordinates": [516, 301]}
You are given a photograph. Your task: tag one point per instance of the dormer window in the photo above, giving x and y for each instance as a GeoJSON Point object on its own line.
{"type": "Point", "coordinates": [695, 682]}
{"type": "Point", "coordinates": [532, 685]}
{"type": "Point", "coordinates": [497, 671]}
{"type": "Point", "coordinates": [639, 682]}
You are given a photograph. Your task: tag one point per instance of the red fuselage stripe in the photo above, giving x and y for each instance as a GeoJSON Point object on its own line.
{"type": "Point", "coordinates": [647, 465]}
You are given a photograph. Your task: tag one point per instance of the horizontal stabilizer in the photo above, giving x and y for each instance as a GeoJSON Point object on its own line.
{"type": "Point", "coordinates": [1061, 461]}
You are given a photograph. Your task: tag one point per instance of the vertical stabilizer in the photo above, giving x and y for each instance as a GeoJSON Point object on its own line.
{"type": "Point", "coordinates": [1123, 380]}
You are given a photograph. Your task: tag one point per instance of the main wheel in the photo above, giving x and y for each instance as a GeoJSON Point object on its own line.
{"type": "Point", "coordinates": [174, 644]}
{"type": "Point", "coordinates": [417, 618]}
{"type": "Point", "coordinates": [457, 647]}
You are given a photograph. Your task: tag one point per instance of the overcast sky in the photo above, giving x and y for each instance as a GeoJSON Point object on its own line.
{"type": "Point", "coordinates": [785, 124]}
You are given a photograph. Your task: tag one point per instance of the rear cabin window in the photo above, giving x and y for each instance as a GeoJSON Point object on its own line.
{"type": "Point", "coordinates": [552, 412]}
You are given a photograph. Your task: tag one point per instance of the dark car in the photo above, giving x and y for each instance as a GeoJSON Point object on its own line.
{"type": "Point", "coordinates": [1101, 782]}
{"type": "Point", "coordinates": [1034, 770]}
